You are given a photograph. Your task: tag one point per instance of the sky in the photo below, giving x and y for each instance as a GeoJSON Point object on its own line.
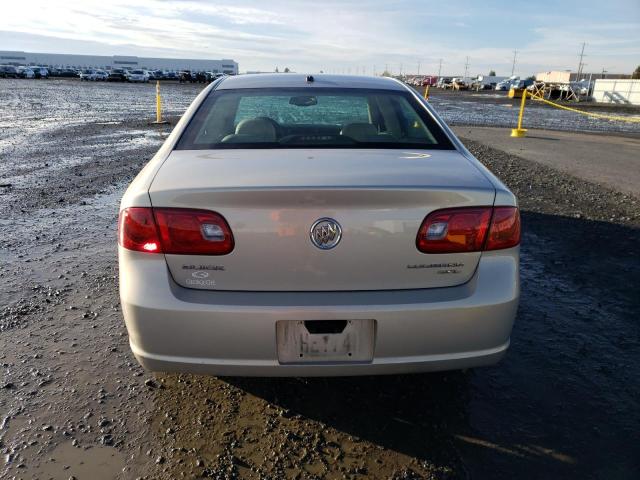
{"type": "Point", "coordinates": [344, 36]}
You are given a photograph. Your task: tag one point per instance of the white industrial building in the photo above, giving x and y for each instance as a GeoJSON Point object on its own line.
{"type": "Point", "coordinates": [620, 91]}
{"type": "Point", "coordinates": [227, 66]}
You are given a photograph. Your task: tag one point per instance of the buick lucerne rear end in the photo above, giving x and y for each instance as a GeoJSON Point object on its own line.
{"type": "Point", "coordinates": [298, 226]}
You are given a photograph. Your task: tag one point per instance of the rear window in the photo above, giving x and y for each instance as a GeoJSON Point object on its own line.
{"type": "Point", "coordinates": [312, 118]}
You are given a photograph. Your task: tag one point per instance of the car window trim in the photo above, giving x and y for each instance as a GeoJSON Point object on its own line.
{"type": "Point", "coordinates": [439, 133]}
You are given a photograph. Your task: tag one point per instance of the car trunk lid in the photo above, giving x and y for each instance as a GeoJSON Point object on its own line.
{"type": "Point", "coordinates": [271, 199]}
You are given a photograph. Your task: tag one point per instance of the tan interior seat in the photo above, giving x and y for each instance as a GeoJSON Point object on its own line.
{"type": "Point", "coordinates": [257, 127]}
{"type": "Point", "coordinates": [361, 132]}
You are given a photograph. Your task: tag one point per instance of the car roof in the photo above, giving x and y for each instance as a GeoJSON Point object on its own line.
{"type": "Point", "coordinates": [320, 80]}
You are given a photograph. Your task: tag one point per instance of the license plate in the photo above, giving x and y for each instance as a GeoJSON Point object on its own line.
{"type": "Point", "coordinates": [325, 341]}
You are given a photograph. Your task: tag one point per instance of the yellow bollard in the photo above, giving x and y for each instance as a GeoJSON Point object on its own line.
{"type": "Point", "coordinates": [520, 132]}
{"type": "Point", "coordinates": [159, 120]}
{"type": "Point", "coordinates": [426, 92]}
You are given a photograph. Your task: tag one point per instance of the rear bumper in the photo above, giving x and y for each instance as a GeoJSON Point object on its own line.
{"type": "Point", "coordinates": [172, 328]}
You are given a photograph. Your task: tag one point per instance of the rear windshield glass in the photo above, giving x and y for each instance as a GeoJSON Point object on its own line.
{"type": "Point", "coordinates": [311, 118]}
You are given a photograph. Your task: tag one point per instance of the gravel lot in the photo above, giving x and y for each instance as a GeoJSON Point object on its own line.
{"type": "Point", "coordinates": [74, 403]}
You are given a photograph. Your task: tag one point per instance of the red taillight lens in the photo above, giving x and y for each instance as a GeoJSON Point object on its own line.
{"type": "Point", "coordinates": [454, 230]}
{"type": "Point", "coordinates": [504, 231]}
{"type": "Point", "coordinates": [193, 232]}
{"type": "Point", "coordinates": [174, 230]}
{"type": "Point", "coordinates": [469, 230]}
{"type": "Point", "coordinates": [137, 230]}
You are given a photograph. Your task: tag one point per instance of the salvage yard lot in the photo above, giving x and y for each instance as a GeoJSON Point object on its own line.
{"type": "Point", "coordinates": [563, 403]}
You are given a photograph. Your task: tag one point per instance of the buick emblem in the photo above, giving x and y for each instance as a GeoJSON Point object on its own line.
{"type": "Point", "coordinates": [325, 233]}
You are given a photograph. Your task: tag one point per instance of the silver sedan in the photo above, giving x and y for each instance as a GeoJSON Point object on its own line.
{"type": "Point", "coordinates": [298, 225]}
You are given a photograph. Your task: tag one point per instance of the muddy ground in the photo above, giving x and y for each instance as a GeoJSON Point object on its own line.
{"type": "Point", "coordinates": [75, 404]}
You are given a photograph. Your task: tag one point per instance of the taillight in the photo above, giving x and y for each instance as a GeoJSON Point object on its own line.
{"type": "Point", "coordinates": [193, 232]}
{"type": "Point", "coordinates": [472, 229]}
{"type": "Point", "coordinates": [504, 231]}
{"type": "Point", "coordinates": [175, 230]}
{"type": "Point", "coordinates": [454, 230]}
{"type": "Point", "coordinates": [137, 230]}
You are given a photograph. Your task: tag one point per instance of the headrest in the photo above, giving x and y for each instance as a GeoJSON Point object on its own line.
{"type": "Point", "coordinates": [361, 132]}
{"type": "Point", "coordinates": [257, 127]}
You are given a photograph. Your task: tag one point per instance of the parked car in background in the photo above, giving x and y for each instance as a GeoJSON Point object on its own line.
{"type": "Point", "coordinates": [429, 80]}
{"type": "Point", "coordinates": [521, 84]}
{"type": "Point", "coordinates": [86, 75]}
{"type": "Point", "coordinates": [486, 82]}
{"type": "Point", "coordinates": [8, 71]}
{"type": "Point", "coordinates": [444, 82]}
{"type": "Point", "coordinates": [583, 87]}
{"type": "Point", "coordinates": [186, 76]}
{"type": "Point", "coordinates": [40, 72]}
{"type": "Point", "coordinates": [170, 75]}
{"type": "Point", "coordinates": [156, 75]}
{"type": "Point", "coordinates": [138, 76]}
{"type": "Point", "coordinates": [63, 72]}
{"type": "Point", "coordinates": [505, 84]}
{"type": "Point", "coordinates": [201, 77]}
{"type": "Point", "coordinates": [459, 84]}
{"type": "Point", "coordinates": [117, 75]}
{"type": "Point", "coordinates": [94, 75]}
{"type": "Point", "coordinates": [26, 72]}
{"type": "Point", "coordinates": [323, 225]}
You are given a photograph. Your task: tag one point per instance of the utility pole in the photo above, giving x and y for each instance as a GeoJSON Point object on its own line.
{"type": "Point", "coordinates": [604, 73]}
{"type": "Point", "coordinates": [580, 64]}
{"type": "Point", "coordinates": [513, 65]}
{"type": "Point", "coordinates": [418, 67]}
{"type": "Point", "coordinates": [439, 67]}
{"type": "Point", "coordinates": [466, 69]}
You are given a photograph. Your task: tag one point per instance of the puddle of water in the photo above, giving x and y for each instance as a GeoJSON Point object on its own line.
{"type": "Point", "coordinates": [11, 426]}
{"type": "Point", "coordinates": [96, 463]}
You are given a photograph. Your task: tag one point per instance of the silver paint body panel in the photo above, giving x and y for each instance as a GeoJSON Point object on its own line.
{"type": "Point", "coordinates": [172, 328]}
{"type": "Point", "coordinates": [423, 320]}
{"type": "Point", "coordinates": [271, 198]}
